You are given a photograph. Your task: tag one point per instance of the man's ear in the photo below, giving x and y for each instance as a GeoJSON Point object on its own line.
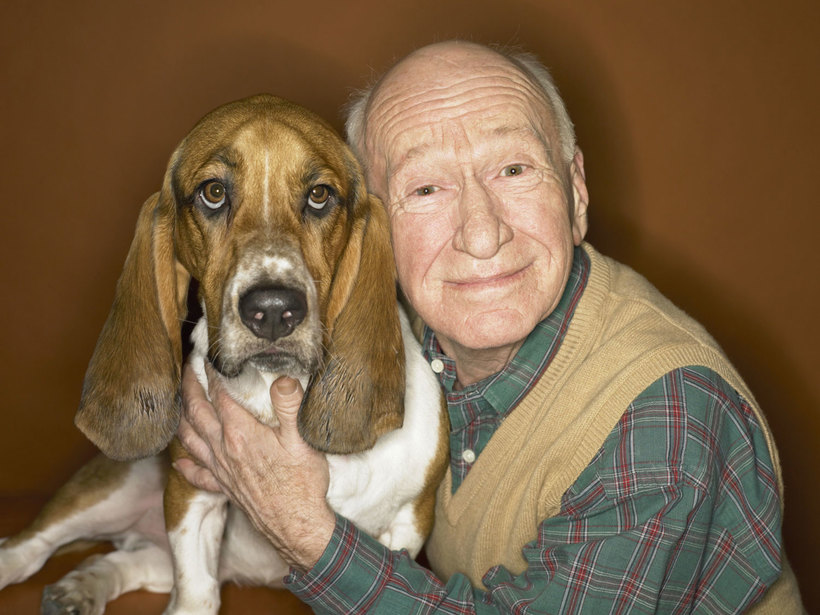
{"type": "Point", "coordinates": [130, 400]}
{"type": "Point", "coordinates": [358, 393]}
{"type": "Point", "coordinates": [580, 197]}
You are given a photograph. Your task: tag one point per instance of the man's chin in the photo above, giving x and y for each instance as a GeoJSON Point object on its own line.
{"type": "Point", "coordinates": [490, 330]}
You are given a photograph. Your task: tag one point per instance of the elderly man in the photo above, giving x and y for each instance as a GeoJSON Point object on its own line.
{"type": "Point", "coordinates": [605, 456]}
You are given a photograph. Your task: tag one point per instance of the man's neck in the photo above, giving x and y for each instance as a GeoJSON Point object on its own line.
{"type": "Point", "coordinates": [474, 365]}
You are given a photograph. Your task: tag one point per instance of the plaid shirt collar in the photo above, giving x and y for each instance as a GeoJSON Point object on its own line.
{"type": "Point", "coordinates": [501, 392]}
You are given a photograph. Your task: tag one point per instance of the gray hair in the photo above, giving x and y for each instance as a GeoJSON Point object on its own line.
{"type": "Point", "coordinates": [526, 62]}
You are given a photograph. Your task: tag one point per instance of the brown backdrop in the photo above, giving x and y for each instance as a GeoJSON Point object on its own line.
{"type": "Point", "coordinates": [698, 121]}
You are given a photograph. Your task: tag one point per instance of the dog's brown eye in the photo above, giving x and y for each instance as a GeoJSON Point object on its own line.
{"type": "Point", "coordinates": [213, 194]}
{"type": "Point", "coordinates": [318, 196]}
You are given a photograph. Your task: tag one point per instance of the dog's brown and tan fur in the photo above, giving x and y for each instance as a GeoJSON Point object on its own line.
{"type": "Point", "coordinates": [266, 209]}
{"type": "Point", "coordinates": [176, 239]}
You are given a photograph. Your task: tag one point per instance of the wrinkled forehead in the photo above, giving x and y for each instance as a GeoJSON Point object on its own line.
{"type": "Point", "coordinates": [423, 94]}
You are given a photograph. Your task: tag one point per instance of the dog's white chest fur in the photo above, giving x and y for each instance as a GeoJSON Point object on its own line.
{"type": "Point", "coordinates": [376, 488]}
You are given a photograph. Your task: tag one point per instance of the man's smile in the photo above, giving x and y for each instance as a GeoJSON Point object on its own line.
{"type": "Point", "coordinates": [488, 282]}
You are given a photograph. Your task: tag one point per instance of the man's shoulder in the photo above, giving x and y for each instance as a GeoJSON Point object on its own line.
{"type": "Point", "coordinates": [633, 331]}
{"type": "Point", "coordinates": [632, 305]}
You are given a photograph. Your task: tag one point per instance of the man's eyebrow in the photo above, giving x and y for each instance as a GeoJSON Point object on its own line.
{"type": "Point", "coordinates": [527, 131]}
{"type": "Point", "coordinates": [514, 129]}
{"type": "Point", "coordinates": [521, 131]}
{"type": "Point", "coordinates": [413, 153]}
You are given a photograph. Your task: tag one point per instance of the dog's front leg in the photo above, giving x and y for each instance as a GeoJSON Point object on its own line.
{"type": "Point", "coordinates": [196, 522]}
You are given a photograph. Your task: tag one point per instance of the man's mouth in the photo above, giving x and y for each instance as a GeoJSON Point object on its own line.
{"type": "Point", "coordinates": [487, 282]}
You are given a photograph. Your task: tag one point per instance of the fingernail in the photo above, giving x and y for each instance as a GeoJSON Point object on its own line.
{"type": "Point", "coordinates": [286, 386]}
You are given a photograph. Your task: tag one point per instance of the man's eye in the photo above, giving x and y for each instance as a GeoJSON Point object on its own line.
{"type": "Point", "coordinates": [513, 169]}
{"type": "Point", "coordinates": [426, 190]}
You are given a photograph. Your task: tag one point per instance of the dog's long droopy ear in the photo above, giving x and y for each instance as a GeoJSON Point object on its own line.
{"type": "Point", "coordinates": [130, 400]}
{"type": "Point", "coordinates": [358, 393]}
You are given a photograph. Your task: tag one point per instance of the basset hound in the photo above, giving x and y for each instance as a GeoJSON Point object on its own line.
{"type": "Point", "coordinates": [266, 209]}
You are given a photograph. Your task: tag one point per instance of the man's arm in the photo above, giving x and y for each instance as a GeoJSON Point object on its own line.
{"type": "Point", "coordinates": [679, 511]}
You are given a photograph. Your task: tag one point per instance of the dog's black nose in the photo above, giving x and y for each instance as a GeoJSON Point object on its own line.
{"type": "Point", "coordinates": [272, 312]}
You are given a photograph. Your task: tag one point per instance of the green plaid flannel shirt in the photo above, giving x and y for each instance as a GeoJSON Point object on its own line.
{"type": "Point", "coordinates": [679, 511]}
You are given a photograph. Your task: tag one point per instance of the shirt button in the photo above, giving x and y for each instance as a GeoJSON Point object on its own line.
{"type": "Point", "coordinates": [437, 365]}
{"type": "Point", "coordinates": [468, 456]}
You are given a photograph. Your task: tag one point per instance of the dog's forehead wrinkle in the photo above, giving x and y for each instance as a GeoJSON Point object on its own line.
{"type": "Point", "coordinates": [223, 162]}
{"type": "Point", "coordinates": [291, 146]}
{"type": "Point", "coordinates": [196, 165]}
{"type": "Point", "coordinates": [224, 156]}
{"type": "Point", "coordinates": [232, 147]}
{"type": "Point", "coordinates": [270, 133]}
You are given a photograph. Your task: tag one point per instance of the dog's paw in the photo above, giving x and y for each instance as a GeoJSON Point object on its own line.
{"type": "Point", "coordinates": [71, 596]}
{"type": "Point", "coordinates": [59, 600]}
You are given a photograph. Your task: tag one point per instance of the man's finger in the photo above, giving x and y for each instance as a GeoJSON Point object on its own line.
{"type": "Point", "coordinates": [286, 396]}
{"type": "Point", "coordinates": [199, 477]}
{"type": "Point", "coordinates": [193, 443]}
{"type": "Point", "coordinates": [194, 393]}
{"type": "Point", "coordinates": [215, 388]}
{"type": "Point", "coordinates": [196, 406]}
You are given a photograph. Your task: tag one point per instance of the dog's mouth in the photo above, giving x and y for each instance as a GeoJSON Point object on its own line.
{"type": "Point", "coordinates": [284, 363]}
{"type": "Point", "coordinates": [272, 360]}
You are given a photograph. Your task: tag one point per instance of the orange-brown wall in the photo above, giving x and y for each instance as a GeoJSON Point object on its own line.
{"type": "Point", "coordinates": [698, 121]}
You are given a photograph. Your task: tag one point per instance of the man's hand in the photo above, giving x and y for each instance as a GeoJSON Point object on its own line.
{"type": "Point", "coordinates": [271, 473]}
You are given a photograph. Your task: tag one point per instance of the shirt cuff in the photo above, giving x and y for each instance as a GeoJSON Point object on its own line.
{"type": "Point", "coordinates": [348, 576]}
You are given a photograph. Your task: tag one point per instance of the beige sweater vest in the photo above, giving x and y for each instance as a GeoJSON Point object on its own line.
{"type": "Point", "coordinates": [624, 335]}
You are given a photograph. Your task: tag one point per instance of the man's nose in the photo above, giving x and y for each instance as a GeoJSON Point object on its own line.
{"type": "Point", "coordinates": [481, 229]}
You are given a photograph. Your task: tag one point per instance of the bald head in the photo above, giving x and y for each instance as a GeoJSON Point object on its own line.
{"type": "Point", "coordinates": [435, 66]}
